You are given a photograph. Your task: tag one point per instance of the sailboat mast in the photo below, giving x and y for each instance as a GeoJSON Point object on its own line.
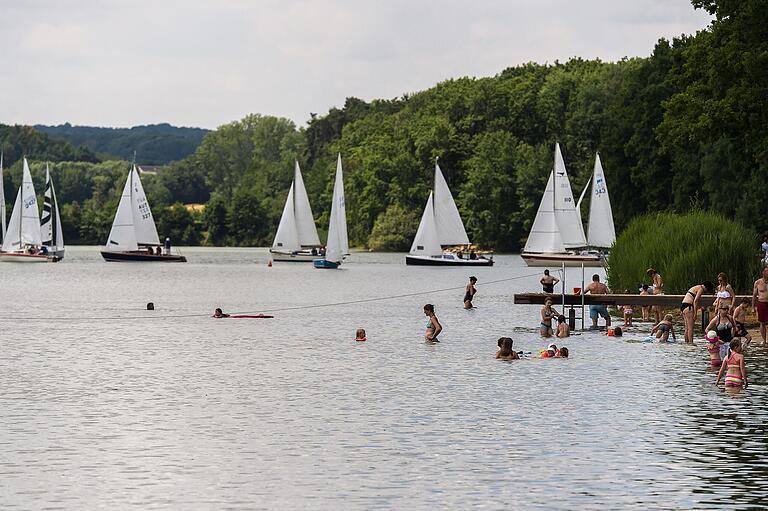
{"type": "Point", "coordinates": [21, 211]}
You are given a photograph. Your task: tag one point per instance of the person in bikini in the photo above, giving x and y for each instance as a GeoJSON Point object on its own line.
{"type": "Point", "coordinates": [733, 368]}
{"type": "Point", "coordinates": [724, 293]}
{"type": "Point", "coordinates": [646, 309]}
{"type": "Point", "coordinates": [548, 282]}
{"type": "Point", "coordinates": [547, 313]}
{"type": "Point", "coordinates": [658, 289]}
{"type": "Point", "coordinates": [433, 325]}
{"type": "Point", "coordinates": [469, 292]}
{"type": "Point", "coordinates": [690, 306]}
{"type": "Point", "coordinates": [760, 302]}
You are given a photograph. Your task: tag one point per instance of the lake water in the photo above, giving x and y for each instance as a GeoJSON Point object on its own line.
{"type": "Point", "coordinates": [104, 405]}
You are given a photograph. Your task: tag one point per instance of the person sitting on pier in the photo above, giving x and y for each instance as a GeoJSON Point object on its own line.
{"type": "Point", "coordinates": [563, 329]}
{"type": "Point", "coordinates": [664, 328]}
{"type": "Point", "coordinates": [547, 313]}
{"type": "Point", "coordinates": [598, 288]}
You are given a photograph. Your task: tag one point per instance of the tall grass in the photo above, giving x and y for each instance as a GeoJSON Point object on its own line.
{"type": "Point", "coordinates": [685, 249]}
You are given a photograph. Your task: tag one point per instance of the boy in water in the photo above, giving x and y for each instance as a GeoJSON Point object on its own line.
{"type": "Point", "coordinates": [664, 328]}
{"type": "Point", "coordinates": [563, 329]}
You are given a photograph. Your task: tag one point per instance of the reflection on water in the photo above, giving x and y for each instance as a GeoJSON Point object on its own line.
{"type": "Point", "coordinates": [164, 412]}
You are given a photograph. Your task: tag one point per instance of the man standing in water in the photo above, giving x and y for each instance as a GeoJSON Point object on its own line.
{"type": "Point", "coordinates": [760, 301]}
{"type": "Point", "coordinates": [598, 288]}
{"type": "Point", "coordinates": [548, 282]}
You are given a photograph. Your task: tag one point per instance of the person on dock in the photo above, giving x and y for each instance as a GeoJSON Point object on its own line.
{"type": "Point", "coordinates": [433, 324]}
{"type": "Point", "coordinates": [469, 292]}
{"type": "Point", "coordinates": [760, 301]}
{"type": "Point", "coordinates": [724, 293]}
{"type": "Point", "coordinates": [657, 289]}
{"type": "Point", "coordinates": [547, 313]}
{"type": "Point", "coordinates": [664, 328]}
{"type": "Point", "coordinates": [690, 307]}
{"type": "Point", "coordinates": [548, 282]}
{"type": "Point", "coordinates": [646, 309]}
{"type": "Point", "coordinates": [723, 325]}
{"type": "Point", "coordinates": [563, 329]}
{"type": "Point", "coordinates": [598, 288]}
{"type": "Point", "coordinates": [733, 367]}
{"type": "Point", "coordinates": [505, 349]}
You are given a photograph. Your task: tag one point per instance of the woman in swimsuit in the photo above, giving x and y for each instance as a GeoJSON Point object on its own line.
{"type": "Point", "coordinates": [724, 292]}
{"type": "Point", "coordinates": [733, 368]}
{"type": "Point", "coordinates": [658, 289]}
{"type": "Point", "coordinates": [433, 325]}
{"type": "Point", "coordinates": [690, 307]}
{"type": "Point", "coordinates": [547, 313]}
{"type": "Point", "coordinates": [506, 352]}
{"type": "Point", "coordinates": [469, 293]}
{"type": "Point", "coordinates": [723, 325]}
{"type": "Point", "coordinates": [664, 328]}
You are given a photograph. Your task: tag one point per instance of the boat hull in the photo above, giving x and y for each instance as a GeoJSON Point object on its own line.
{"type": "Point", "coordinates": [18, 257]}
{"type": "Point", "coordinates": [293, 257]}
{"type": "Point", "coordinates": [571, 260]}
{"type": "Point", "coordinates": [141, 257]}
{"type": "Point", "coordinates": [324, 264]}
{"type": "Point", "coordinates": [412, 260]}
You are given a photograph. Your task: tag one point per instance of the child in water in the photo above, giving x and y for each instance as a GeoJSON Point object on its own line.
{"type": "Point", "coordinates": [360, 335]}
{"type": "Point", "coordinates": [664, 328]}
{"type": "Point", "coordinates": [219, 314]}
{"type": "Point", "coordinates": [433, 325]}
{"type": "Point", "coordinates": [733, 367]}
{"type": "Point", "coordinates": [614, 332]}
{"type": "Point", "coordinates": [563, 329]}
{"type": "Point", "coordinates": [505, 349]}
{"type": "Point", "coordinates": [739, 318]}
{"type": "Point", "coordinates": [713, 348]}
{"type": "Point", "coordinates": [550, 352]}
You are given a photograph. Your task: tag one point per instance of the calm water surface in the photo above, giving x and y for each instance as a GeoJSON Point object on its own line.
{"type": "Point", "coordinates": [104, 405]}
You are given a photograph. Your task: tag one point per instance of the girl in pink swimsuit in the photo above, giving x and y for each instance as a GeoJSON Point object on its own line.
{"type": "Point", "coordinates": [733, 367]}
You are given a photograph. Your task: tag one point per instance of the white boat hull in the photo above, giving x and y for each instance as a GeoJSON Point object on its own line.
{"type": "Point", "coordinates": [18, 257]}
{"type": "Point", "coordinates": [589, 260]}
{"type": "Point", "coordinates": [294, 257]}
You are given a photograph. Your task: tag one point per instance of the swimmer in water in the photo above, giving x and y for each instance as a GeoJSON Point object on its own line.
{"type": "Point", "coordinates": [733, 367]}
{"type": "Point", "coordinates": [713, 348]}
{"type": "Point", "coordinates": [563, 329]}
{"type": "Point", "coordinates": [664, 328]}
{"type": "Point", "coordinates": [219, 314]}
{"type": "Point", "coordinates": [563, 352]}
{"type": "Point", "coordinates": [550, 352]}
{"type": "Point", "coordinates": [433, 325]}
{"type": "Point", "coordinates": [469, 293]}
{"type": "Point", "coordinates": [505, 349]}
{"type": "Point", "coordinates": [360, 335]}
{"type": "Point", "coordinates": [614, 332]}
{"type": "Point", "coordinates": [150, 306]}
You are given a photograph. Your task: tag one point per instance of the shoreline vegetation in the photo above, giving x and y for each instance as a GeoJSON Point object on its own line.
{"type": "Point", "coordinates": [677, 131]}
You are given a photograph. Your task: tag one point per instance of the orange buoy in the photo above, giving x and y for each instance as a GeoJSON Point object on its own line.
{"type": "Point", "coordinates": [269, 264]}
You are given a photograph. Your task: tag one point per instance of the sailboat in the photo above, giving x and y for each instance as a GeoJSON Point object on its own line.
{"type": "Point", "coordinates": [441, 226]}
{"type": "Point", "coordinates": [22, 241]}
{"type": "Point", "coordinates": [2, 202]}
{"type": "Point", "coordinates": [134, 236]}
{"type": "Point", "coordinates": [601, 233]}
{"type": "Point", "coordinates": [296, 238]}
{"type": "Point", "coordinates": [50, 224]}
{"type": "Point", "coordinates": [338, 244]}
{"type": "Point", "coordinates": [557, 230]}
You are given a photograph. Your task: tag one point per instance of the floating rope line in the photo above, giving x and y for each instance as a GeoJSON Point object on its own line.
{"type": "Point", "coordinates": [261, 311]}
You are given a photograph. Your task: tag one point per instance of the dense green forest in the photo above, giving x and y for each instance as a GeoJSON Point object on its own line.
{"type": "Point", "coordinates": [683, 129]}
{"type": "Point", "coordinates": [154, 144]}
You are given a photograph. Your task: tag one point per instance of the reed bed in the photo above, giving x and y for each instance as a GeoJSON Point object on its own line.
{"type": "Point", "coordinates": [686, 249]}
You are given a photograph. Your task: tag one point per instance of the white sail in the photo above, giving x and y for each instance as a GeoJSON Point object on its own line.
{"type": "Point", "coordinates": [568, 219]}
{"type": "Point", "coordinates": [450, 228]}
{"type": "Point", "coordinates": [2, 202]}
{"type": "Point", "coordinates": [305, 222]}
{"type": "Point", "coordinates": [50, 224]}
{"type": "Point", "coordinates": [601, 231]}
{"type": "Point", "coordinates": [338, 243]}
{"type": "Point", "coordinates": [122, 237]}
{"type": "Point", "coordinates": [287, 237]}
{"type": "Point", "coordinates": [144, 223]}
{"type": "Point", "coordinates": [545, 233]}
{"type": "Point", "coordinates": [426, 241]}
{"type": "Point", "coordinates": [24, 226]}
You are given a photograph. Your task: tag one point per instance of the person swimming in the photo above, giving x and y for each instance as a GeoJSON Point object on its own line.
{"type": "Point", "coordinates": [614, 332]}
{"type": "Point", "coordinates": [733, 367]}
{"type": "Point", "coordinates": [433, 324]}
{"type": "Point", "coordinates": [219, 314]}
{"type": "Point", "coordinates": [360, 335]}
{"type": "Point", "coordinates": [505, 349]}
{"type": "Point", "coordinates": [550, 352]}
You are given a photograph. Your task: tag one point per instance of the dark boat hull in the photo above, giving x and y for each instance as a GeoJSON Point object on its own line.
{"type": "Point", "coordinates": [324, 264]}
{"type": "Point", "coordinates": [141, 257]}
{"type": "Point", "coordinates": [439, 261]}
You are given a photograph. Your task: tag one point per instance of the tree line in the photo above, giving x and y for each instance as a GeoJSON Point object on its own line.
{"type": "Point", "coordinates": [683, 129]}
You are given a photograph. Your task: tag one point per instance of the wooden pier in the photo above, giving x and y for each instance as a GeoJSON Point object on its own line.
{"type": "Point", "coordinates": [613, 299]}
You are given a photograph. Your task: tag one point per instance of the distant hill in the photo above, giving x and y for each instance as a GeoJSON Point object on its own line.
{"type": "Point", "coordinates": [154, 144]}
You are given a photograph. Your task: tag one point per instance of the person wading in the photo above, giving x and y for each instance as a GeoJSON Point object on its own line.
{"type": "Point", "coordinates": [598, 288]}
{"type": "Point", "coordinates": [760, 301]}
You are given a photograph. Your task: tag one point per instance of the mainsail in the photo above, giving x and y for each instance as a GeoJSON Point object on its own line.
{"type": "Point", "coordinates": [133, 224]}
{"type": "Point", "coordinates": [450, 228]}
{"type": "Point", "coordinates": [568, 218]}
{"type": "Point", "coordinates": [338, 243]}
{"type": "Point", "coordinates": [426, 242]}
{"type": "Point", "coordinates": [305, 222]}
{"type": "Point", "coordinates": [2, 202]}
{"type": "Point", "coordinates": [24, 226]}
{"type": "Point", "coordinates": [50, 225]}
{"type": "Point", "coordinates": [287, 237]}
{"type": "Point", "coordinates": [545, 232]}
{"type": "Point", "coordinates": [601, 231]}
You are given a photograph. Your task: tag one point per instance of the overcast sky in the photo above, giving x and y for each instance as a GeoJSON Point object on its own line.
{"type": "Point", "coordinates": [205, 63]}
